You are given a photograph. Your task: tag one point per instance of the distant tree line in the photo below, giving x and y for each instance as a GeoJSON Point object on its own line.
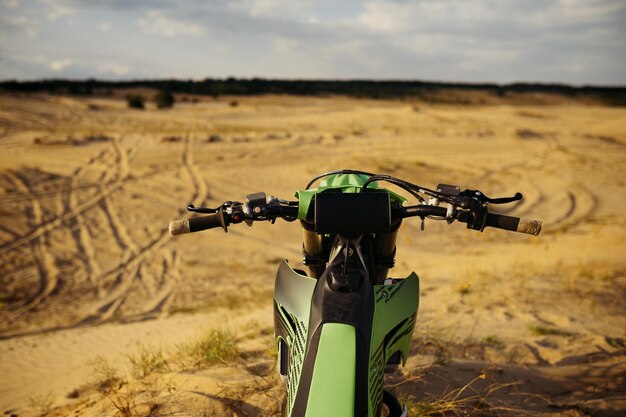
{"type": "Point", "coordinates": [354, 88]}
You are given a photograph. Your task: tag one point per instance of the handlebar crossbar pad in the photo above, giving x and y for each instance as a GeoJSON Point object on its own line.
{"type": "Point", "coordinates": [352, 212]}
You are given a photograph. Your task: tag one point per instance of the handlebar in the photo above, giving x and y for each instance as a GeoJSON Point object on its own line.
{"type": "Point", "coordinates": [257, 207]}
{"type": "Point", "coordinates": [498, 221]}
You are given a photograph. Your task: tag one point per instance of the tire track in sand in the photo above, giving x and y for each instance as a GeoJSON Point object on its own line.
{"type": "Point", "coordinates": [124, 275]}
{"type": "Point", "coordinates": [44, 261]}
{"type": "Point", "coordinates": [9, 231]}
{"type": "Point", "coordinates": [580, 204]}
{"type": "Point", "coordinates": [117, 227]}
{"type": "Point", "coordinates": [157, 306]}
{"type": "Point", "coordinates": [79, 231]}
{"type": "Point", "coordinates": [129, 272]}
{"type": "Point", "coordinates": [44, 227]}
{"type": "Point", "coordinates": [131, 152]}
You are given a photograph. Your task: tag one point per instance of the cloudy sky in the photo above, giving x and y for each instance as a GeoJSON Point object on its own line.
{"type": "Point", "coordinates": [569, 41]}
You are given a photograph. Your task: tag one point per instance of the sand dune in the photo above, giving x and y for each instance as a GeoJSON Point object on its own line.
{"type": "Point", "coordinates": [88, 267]}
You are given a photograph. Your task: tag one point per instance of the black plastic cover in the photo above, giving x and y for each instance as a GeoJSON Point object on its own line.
{"type": "Point", "coordinates": [449, 189]}
{"type": "Point", "coordinates": [352, 212]}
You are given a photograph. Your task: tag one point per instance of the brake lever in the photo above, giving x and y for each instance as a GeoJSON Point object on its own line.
{"type": "Point", "coordinates": [478, 195]}
{"type": "Point", "coordinates": [504, 200]}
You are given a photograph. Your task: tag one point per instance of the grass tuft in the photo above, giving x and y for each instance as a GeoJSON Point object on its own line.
{"type": "Point", "coordinates": [182, 310]}
{"type": "Point", "coordinates": [492, 340]}
{"type": "Point", "coordinates": [216, 347]}
{"type": "Point", "coordinates": [105, 374]}
{"type": "Point", "coordinates": [41, 403]}
{"type": "Point", "coordinates": [147, 361]}
{"type": "Point", "coordinates": [541, 330]}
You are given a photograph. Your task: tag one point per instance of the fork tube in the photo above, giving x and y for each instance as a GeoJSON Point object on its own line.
{"type": "Point", "coordinates": [384, 252]}
{"type": "Point", "coordinates": [313, 249]}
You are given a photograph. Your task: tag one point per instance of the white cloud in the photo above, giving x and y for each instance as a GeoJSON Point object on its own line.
{"type": "Point", "coordinates": [31, 59]}
{"type": "Point", "coordinates": [32, 32]}
{"type": "Point", "coordinates": [284, 45]}
{"type": "Point", "coordinates": [11, 4]}
{"type": "Point", "coordinates": [30, 26]}
{"type": "Point", "coordinates": [577, 67]}
{"type": "Point", "coordinates": [223, 48]}
{"type": "Point", "coordinates": [57, 9]}
{"type": "Point", "coordinates": [61, 64]}
{"type": "Point", "coordinates": [105, 26]}
{"type": "Point", "coordinates": [15, 21]}
{"type": "Point", "coordinates": [576, 41]}
{"type": "Point", "coordinates": [477, 59]}
{"type": "Point", "coordinates": [113, 68]}
{"type": "Point", "coordinates": [273, 8]}
{"type": "Point", "coordinates": [157, 23]}
{"type": "Point", "coordinates": [385, 17]}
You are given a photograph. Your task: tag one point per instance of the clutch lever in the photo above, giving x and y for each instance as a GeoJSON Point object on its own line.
{"type": "Point", "coordinates": [207, 210]}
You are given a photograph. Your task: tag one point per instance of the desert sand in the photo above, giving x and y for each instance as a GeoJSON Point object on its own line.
{"type": "Point", "coordinates": [508, 324]}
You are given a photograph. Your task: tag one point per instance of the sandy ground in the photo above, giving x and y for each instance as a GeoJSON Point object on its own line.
{"type": "Point", "coordinates": [87, 187]}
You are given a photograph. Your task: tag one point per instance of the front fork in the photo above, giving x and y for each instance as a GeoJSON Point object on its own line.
{"type": "Point", "coordinates": [316, 250]}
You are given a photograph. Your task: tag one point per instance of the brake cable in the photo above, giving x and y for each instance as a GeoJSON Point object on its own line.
{"type": "Point", "coordinates": [343, 171]}
{"type": "Point", "coordinates": [405, 185]}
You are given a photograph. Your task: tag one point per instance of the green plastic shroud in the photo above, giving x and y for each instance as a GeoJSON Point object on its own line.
{"type": "Point", "coordinates": [332, 387]}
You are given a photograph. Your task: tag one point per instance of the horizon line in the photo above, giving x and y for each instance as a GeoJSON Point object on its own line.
{"type": "Point", "coordinates": [313, 80]}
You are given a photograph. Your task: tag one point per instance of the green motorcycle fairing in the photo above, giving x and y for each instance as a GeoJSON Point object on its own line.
{"type": "Point", "coordinates": [395, 312]}
{"type": "Point", "coordinates": [333, 345]}
{"type": "Point", "coordinates": [333, 357]}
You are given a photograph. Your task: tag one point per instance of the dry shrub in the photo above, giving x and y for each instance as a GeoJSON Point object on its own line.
{"type": "Point", "coordinates": [464, 401]}
{"type": "Point", "coordinates": [164, 99]}
{"type": "Point", "coordinates": [172, 139]}
{"type": "Point", "coordinates": [135, 102]}
{"type": "Point", "coordinates": [528, 134]}
{"type": "Point", "coordinates": [240, 399]}
{"type": "Point", "coordinates": [139, 396]}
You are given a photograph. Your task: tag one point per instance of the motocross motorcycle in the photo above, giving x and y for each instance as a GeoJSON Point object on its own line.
{"type": "Point", "coordinates": [345, 323]}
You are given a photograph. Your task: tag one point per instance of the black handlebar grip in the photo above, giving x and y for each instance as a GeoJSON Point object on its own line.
{"type": "Point", "coordinates": [208, 222]}
{"type": "Point", "coordinates": [196, 224]}
{"type": "Point", "coordinates": [514, 224]}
